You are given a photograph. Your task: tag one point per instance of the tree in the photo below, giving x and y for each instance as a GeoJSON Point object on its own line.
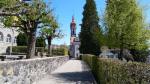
{"type": "Point", "coordinates": [40, 42]}
{"type": "Point", "coordinates": [49, 32]}
{"type": "Point", "coordinates": [90, 30]}
{"type": "Point", "coordinates": [125, 25]}
{"type": "Point", "coordinates": [29, 17]}
{"type": "Point", "coordinates": [22, 39]}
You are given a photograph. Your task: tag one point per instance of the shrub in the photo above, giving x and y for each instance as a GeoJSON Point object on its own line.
{"type": "Point", "coordinates": [22, 39]}
{"type": "Point", "coordinates": [140, 55]}
{"type": "Point", "coordinates": [60, 51]}
{"type": "Point", "coordinates": [40, 42]}
{"type": "Point", "coordinates": [19, 49]}
{"type": "Point", "coordinates": [23, 49]}
{"type": "Point", "coordinates": [39, 49]}
{"type": "Point", "coordinates": [110, 71]}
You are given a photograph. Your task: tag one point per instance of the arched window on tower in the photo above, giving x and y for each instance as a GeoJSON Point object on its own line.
{"type": "Point", "coordinates": [1, 36]}
{"type": "Point", "coordinates": [8, 39]}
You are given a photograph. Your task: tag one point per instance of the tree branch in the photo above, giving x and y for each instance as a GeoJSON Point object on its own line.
{"type": "Point", "coordinates": [45, 13]}
{"type": "Point", "coordinates": [8, 14]}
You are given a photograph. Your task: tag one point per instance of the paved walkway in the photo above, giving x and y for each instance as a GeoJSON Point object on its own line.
{"type": "Point", "coordinates": [72, 72]}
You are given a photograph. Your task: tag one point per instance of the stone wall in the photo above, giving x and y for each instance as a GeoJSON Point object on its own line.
{"type": "Point", "coordinates": [28, 71]}
{"type": "Point", "coordinates": [148, 59]}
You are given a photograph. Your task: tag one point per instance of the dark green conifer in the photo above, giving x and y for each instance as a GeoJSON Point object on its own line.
{"type": "Point", "coordinates": [90, 30]}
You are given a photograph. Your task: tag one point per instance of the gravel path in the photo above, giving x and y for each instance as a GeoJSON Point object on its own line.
{"type": "Point", "coordinates": [72, 72]}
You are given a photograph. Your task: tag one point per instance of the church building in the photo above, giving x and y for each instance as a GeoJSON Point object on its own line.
{"type": "Point", "coordinates": [74, 41]}
{"type": "Point", "coordinates": [7, 38]}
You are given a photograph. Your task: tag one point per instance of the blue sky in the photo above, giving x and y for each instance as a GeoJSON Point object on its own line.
{"type": "Point", "coordinates": [65, 9]}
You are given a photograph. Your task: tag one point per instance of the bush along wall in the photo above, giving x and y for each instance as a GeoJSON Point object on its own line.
{"type": "Point", "coordinates": [60, 51]}
{"type": "Point", "coordinates": [109, 71]}
{"type": "Point", "coordinates": [23, 49]}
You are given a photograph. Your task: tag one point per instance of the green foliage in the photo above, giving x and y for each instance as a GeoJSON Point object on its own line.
{"type": "Point", "coordinates": [22, 39]}
{"type": "Point", "coordinates": [23, 49]}
{"type": "Point", "coordinates": [110, 71]}
{"type": "Point", "coordinates": [140, 55]}
{"type": "Point", "coordinates": [51, 29]}
{"type": "Point", "coordinates": [19, 49]}
{"type": "Point", "coordinates": [40, 42]}
{"type": "Point", "coordinates": [7, 3]}
{"type": "Point", "coordinates": [90, 30]}
{"type": "Point", "coordinates": [47, 32]}
{"type": "Point", "coordinates": [33, 13]}
{"type": "Point", "coordinates": [125, 25]}
{"type": "Point", "coordinates": [60, 52]}
{"type": "Point", "coordinates": [39, 49]}
{"type": "Point", "coordinates": [27, 17]}
{"type": "Point", "coordinates": [8, 21]}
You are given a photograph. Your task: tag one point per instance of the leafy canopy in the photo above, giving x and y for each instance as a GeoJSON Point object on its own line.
{"type": "Point", "coordinates": [125, 25]}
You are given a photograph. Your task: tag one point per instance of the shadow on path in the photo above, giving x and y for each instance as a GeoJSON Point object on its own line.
{"type": "Point", "coordinates": [74, 76]}
{"type": "Point", "coordinates": [73, 72]}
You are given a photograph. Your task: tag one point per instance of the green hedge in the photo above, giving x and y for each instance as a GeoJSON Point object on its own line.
{"type": "Point", "coordinates": [109, 71]}
{"type": "Point", "coordinates": [60, 51]}
{"type": "Point", "coordinates": [19, 49]}
{"type": "Point", "coordinates": [40, 49]}
{"type": "Point", "coordinates": [23, 49]}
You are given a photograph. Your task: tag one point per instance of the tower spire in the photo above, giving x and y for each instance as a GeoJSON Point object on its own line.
{"type": "Point", "coordinates": [73, 30]}
{"type": "Point", "coordinates": [73, 19]}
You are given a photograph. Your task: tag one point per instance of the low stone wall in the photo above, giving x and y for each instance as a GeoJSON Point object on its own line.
{"type": "Point", "coordinates": [28, 71]}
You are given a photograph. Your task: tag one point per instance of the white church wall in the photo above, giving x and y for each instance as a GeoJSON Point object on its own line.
{"type": "Point", "coordinates": [7, 38]}
{"type": "Point", "coordinates": [77, 52]}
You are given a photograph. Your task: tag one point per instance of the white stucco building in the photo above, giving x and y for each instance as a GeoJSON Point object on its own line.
{"type": "Point", "coordinates": [7, 38]}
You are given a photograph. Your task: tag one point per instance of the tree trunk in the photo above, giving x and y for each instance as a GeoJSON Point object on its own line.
{"type": "Point", "coordinates": [121, 53]}
{"type": "Point", "coordinates": [121, 48]}
{"type": "Point", "coordinates": [49, 46]}
{"type": "Point", "coordinates": [31, 45]}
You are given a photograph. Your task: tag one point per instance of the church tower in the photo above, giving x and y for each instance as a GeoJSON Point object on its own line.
{"type": "Point", "coordinates": [73, 30]}
{"type": "Point", "coordinates": [74, 40]}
